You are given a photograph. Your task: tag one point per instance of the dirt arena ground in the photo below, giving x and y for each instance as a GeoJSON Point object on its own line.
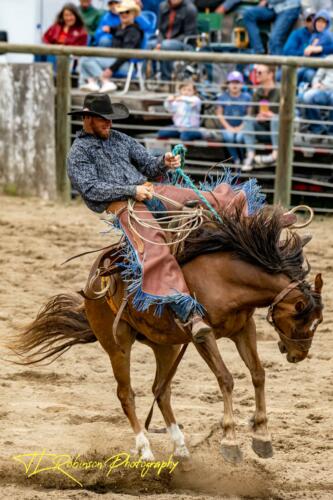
{"type": "Point", "coordinates": [70, 407]}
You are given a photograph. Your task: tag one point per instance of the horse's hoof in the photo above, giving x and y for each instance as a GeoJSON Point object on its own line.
{"type": "Point", "coordinates": [147, 456]}
{"type": "Point", "coordinates": [262, 448]}
{"type": "Point", "coordinates": [181, 452]}
{"type": "Point", "coordinates": [231, 453]}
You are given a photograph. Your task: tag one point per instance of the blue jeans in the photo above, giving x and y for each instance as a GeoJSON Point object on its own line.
{"type": "Point", "coordinates": [283, 24]}
{"type": "Point", "coordinates": [319, 97]}
{"type": "Point", "coordinates": [105, 41]}
{"type": "Point", "coordinates": [183, 135]}
{"type": "Point", "coordinates": [305, 75]}
{"type": "Point", "coordinates": [93, 67]}
{"type": "Point", "coordinates": [252, 126]}
{"type": "Point", "coordinates": [233, 137]}
{"type": "Point", "coordinates": [166, 66]}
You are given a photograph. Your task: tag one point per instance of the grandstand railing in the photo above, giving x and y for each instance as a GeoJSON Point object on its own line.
{"type": "Point", "coordinates": [283, 177]}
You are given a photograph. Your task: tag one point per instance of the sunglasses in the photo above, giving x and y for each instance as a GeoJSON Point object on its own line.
{"type": "Point", "coordinates": [124, 12]}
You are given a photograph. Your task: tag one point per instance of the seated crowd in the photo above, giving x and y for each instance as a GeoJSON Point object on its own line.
{"type": "Point", "coordinates": [247, 109]}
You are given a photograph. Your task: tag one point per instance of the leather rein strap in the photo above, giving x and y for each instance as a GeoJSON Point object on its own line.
{"type": "Point", "coordinates": [304, 343]}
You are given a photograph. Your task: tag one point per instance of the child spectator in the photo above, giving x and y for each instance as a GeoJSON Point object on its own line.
{"type": "Point", "coordinates": [111, 19]}
{"type": "Point", "coordinates": [185, 109]}
{"type": "Point", "coordinates": [321, 94]}
{"type": "Point", "coordinates": [321, 41]}
{"type": "Point", "coordinates": [68, 28]}
{"type": "Point", "coordinates": [320, 44]}
{"type": "Point", "coordinates": [234, 106]}
{"type": "Point", "coordinates": [90, 16]}
{"type": "Point", "coordinates": [98, 70]}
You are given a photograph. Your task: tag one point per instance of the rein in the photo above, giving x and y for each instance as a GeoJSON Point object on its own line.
{"type": "Point", "coordinates": [302, 344]}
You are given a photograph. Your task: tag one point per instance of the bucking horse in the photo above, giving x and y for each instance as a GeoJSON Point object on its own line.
{"type": "Point", "coordinates": [231, 268]}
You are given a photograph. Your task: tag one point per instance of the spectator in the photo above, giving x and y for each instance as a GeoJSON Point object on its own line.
{"type": "Point", "coordinates": [90, 16]}
{"type": "Point", "coordinates": [321, 94]}
{"type": "Point", "coordinates": [300, 38]}
{"type": "Point", "coordinates": [321, 41]}
{"type": "Point", "coordinates": [68, 28]}
{"type": "Point", "coordinates": [265, 118]}
{"type": "Point", "coordinates": [284, 13]}
{"type": "Point", "coordinates": [99, 70]}
{"type": "Point", "coordinates": [185, 109]}
{"type": "Point", "coordinates": [320, 45]}
{"type": "Point", "coordinates": [234, 106]}
{"type": "Point", "coordinates": [111, 19]}
{"type": "Point", "coordinates": [177, 20]}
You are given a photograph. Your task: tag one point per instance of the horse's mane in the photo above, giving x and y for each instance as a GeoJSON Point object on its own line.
{"type": "Point", "coordinates": [254, 239]}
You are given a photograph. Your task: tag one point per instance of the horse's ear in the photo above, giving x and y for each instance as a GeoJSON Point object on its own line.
{"type": "Point", "coordinates": [318, 283]}
{"type": "Point", "coordinates": [299, 306]}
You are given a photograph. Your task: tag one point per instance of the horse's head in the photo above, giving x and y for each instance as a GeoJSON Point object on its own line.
{"type": "Point", "coordinates": [295, 314]}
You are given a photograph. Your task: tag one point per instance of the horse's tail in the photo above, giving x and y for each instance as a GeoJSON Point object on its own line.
{"type": "Point", "coordinates": [61, 324]}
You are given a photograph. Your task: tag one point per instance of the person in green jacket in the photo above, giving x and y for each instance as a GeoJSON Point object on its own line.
{"type": "Point", "coordinates": [91, 16]}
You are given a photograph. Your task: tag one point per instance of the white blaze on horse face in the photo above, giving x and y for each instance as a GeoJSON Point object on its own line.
{"type": "Point", "coordinates": [314, 325]}
{"type": "Point", "coordinates": [180, 449]}
{"type": "Point", "coordinates": [143, 447]}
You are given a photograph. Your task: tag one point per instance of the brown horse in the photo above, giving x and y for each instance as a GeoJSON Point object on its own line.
{"type": "Point", "coordinates": [231, 268]}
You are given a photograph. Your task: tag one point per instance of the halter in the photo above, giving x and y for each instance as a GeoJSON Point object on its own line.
{"type": "Point", "coordinates": [302, 344]}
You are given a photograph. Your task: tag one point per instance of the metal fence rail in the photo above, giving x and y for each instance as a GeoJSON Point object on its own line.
{"type": "Point", "coordinates": [283, 178]}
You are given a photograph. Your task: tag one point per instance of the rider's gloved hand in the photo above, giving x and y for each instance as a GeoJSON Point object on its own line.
{"type": "Point", "coordinates": [144, 192]}
{"type": "Point", "coordinates": [171, 161]}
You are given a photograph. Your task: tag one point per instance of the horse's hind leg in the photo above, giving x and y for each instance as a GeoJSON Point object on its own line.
{"type": "Point", "coordinates": [165, 357]}
{"type": "Point", "coordinates": [246, 344]}
{"type": "Point", "coordinates": [209, 351]}
{"type": "Point", "coordinates": [101, 319]}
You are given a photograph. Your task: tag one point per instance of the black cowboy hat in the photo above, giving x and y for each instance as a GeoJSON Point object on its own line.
{"type": "Point", "coordinates": [100, 105]}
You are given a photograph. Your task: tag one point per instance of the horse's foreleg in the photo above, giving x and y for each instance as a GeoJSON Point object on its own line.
{"type": "Point", "coordinates": [165, 357]}
{"type": "Point", "coordinates": [209, 351]}
{"type": "Point", "coordinates": [246, 344]}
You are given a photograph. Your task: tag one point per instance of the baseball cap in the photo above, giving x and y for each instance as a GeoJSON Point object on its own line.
{"type": "Point", "coordinates": [235, 76]}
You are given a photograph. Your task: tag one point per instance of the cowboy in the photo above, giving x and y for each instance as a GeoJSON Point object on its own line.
{"type": "Point", "coordinates": [106, 166]}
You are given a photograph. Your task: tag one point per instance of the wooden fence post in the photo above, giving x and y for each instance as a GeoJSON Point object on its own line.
{"type": "Point", "coordinates": [282, 188]}
{"type": "Point", "coordinates": [62, 125]}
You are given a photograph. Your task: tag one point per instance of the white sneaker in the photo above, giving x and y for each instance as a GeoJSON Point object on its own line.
{"type": "Point", "coordinates": [247, 165]}
{"type": "Point", "coordinates": [108, 87]}
{"type": "Point", "coordinates": [265, 160]}
{"type": "Point", "coordinates": [90, 87]}
{"type": "Point", "coordinates": [246, 168]}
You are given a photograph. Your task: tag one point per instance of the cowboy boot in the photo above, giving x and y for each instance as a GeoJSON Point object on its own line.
{"type": "Point", "coordinates": [199, 329]}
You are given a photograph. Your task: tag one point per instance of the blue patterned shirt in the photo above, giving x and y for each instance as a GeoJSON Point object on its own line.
{"type": "Point", "coordinates": [109, 170]}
